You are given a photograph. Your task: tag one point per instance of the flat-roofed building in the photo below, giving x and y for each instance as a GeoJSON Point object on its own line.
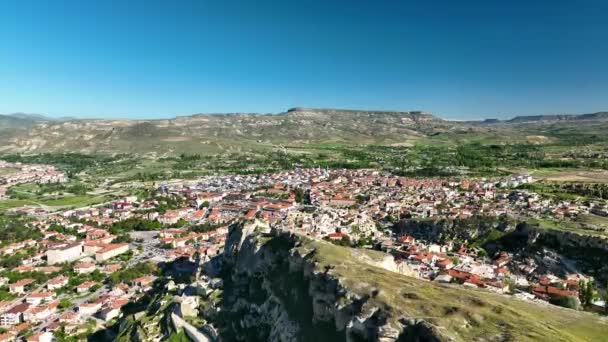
{"type": "Point", "coordinates": [88, 309]}
{"type": "Point", "coordinates": [66, 253]}
{"type": "Point", "coordinates": [111, 251]}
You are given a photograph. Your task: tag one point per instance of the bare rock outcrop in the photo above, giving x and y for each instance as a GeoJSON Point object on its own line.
{"type": "Point", "coordinates": [275, 291]}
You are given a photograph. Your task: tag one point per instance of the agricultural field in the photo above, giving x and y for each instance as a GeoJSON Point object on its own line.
{"type": "Point", "coordinates": [56, 203]}
{"type": "Point", "coordinates": [7, 170]}
{"type": "Point", "coordinates": [572, 175]}
{"type": "Point", "coordinates": [586, 225]}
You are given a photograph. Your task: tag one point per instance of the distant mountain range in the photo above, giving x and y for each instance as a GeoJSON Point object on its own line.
{"type": "Point", "coordinates": [524, 118]}
{"type": "Point", "coordinates": [216, 133]}
{"type": "Point", "coordinates": [548, 118]}
{"type": "Point", "coordinates": [38, 117]}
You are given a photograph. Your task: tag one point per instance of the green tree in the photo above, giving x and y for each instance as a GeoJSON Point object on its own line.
{"type": "Point", "coordinates": [590, 293]}
{"type": "Point", "coordinates": [565, 301]}
{"type": "Point", "coordinates": [605, 298]}
{"type": "Point", "coordinates": [65, 303]}
{"type": "Point", "coordinates": [586, 292]}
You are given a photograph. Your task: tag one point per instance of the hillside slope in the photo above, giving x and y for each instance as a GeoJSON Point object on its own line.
{"type": "Point", "coordinates": [319, 291]}
{"type": "Point", "coordinates": [215, 133]}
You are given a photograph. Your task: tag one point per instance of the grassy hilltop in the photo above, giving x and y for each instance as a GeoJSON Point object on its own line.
{"type": "Point", "coordinates": [458, 313]}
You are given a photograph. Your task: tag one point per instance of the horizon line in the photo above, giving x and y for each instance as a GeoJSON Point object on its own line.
{"type": "Point", "coordinates": [54, 117]}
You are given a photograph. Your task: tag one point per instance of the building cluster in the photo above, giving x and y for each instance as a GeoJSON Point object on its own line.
{"type": "Point", "coordinates": [41, 305]}
{"type": "Point", "coordinates": [28, 173]}
{"type": "Point", "coordinates": [36, 301]}
{"type": "Point", "coordinates": [97, 244]}
{"type": "Point", "coordinates": [191, 220]}
{"type": "Point", "coordinates": [183, 243]}
{"type": "Point", "coordinates": [353, 202]}
{"type": "Point", "coordinates": [501, 273]}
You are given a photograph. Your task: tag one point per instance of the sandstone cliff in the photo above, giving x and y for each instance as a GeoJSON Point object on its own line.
{"type": "Point", "coordinates": [284, 287]}
{"type": "Point", "coordinates": [276, 292]}
{"type": "Point", "coordinates": [590, 251]}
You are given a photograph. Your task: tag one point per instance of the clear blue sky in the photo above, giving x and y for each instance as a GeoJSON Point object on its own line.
{"type": "Point", "coordinates": [152, 59]}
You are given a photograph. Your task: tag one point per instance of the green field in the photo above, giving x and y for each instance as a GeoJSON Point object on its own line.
{"type": "Point", "coordinates": [68, 201]}
{"type": "Point", "coordinates": [577, 225]}
{"type": "Point", "coordinates": [572, 175]}
{"type": "Point", "coordinates": [7, 170]}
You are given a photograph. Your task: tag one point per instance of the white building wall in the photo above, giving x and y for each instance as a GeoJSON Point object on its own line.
{"type": "Point", "coordinates": [57, 256]}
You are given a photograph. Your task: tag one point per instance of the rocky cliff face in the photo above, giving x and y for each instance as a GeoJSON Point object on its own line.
{"type": "Point", "coordinates": [590, 251]}
{"type": "Point", "coordinates": [478, 227]}
{"type": "Point", "coordinates": [274, 291]}
{"type": "Point", "coordinates": [462, 230]}
{"type": "Point", "coordinates": [283, 287]}
{"type": "Point", "coordinates": [562, 239]}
